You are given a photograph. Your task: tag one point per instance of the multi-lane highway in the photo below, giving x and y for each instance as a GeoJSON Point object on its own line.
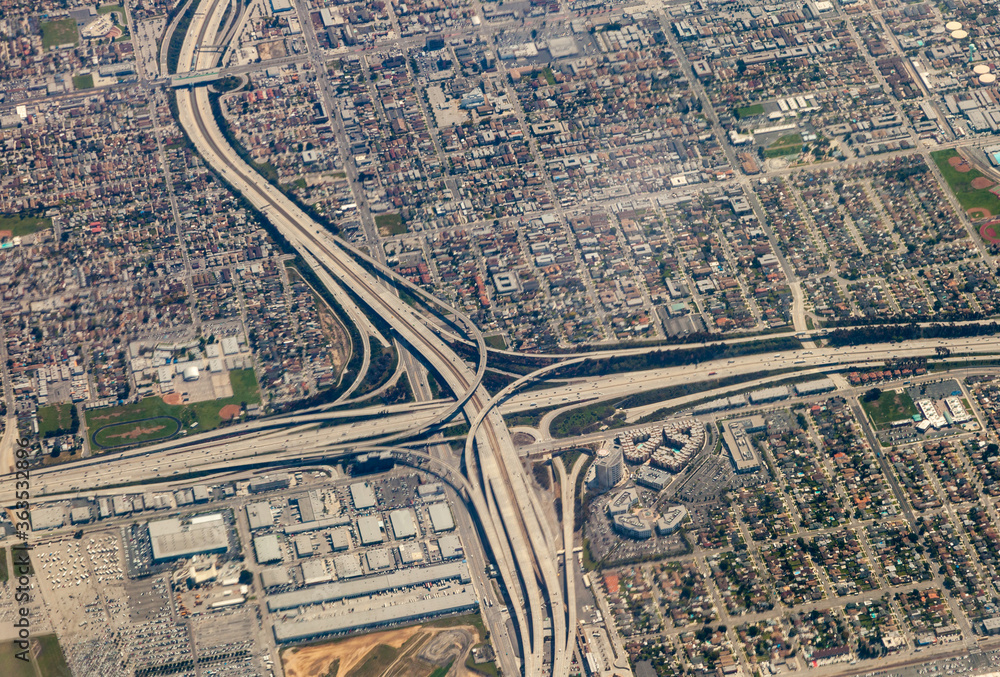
{"type": "Point", "coordinates": [500, 495]}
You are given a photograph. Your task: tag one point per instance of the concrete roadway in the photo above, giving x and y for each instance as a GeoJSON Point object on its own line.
{"type": "Point", "coordinates": [622, 385]}
{"type": "Point", "coordinates": [307, 236]}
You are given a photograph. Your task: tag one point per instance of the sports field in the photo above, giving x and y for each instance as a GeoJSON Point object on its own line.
{"type": "Point", "coordinates": [971, 187]}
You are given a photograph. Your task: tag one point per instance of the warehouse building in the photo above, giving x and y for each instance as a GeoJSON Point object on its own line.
{"type": "Point", "coordinates": [310, 506]}
{"type": "Point", "coordinates": [823, 385]}
{"type": "Point", "coordinates": [410, 553]}
{"type": "Point", "coordinates": [369, 585]}
{"type": "Point", "coordinates": [275, 578]}
{"type": "Point", "coordinates": [441, 517]}
{"type": "Point", "coordinates": [769, 395]}
{"type": "Point", "coordinates": [347, 566]}
{"type": "Point", "coordinates": [269, 483]}
{"type": "Point", "coordinates": [47, 518]}
{"type": "Point", "coordinates": [450, 547]}
{"type": "Point", "coordinates": [203, 534]}
{"type": "Point", "coordinates": [303, 546]}
{"type": "Point", "coordinates": [362, 496]}
{"type": "Point", "coordinates": [324, 523]}
{"type": "Point", "coordinates": [267, 549]}
{"type": "Point", "coordinates": [259, 516]}
{"type": "Point", "coordinates": [379, 559]}
{"type": "Point", "coordinates": [381, 612]}
{"type": "Point", "coordinates": [340, 539]}
{"type": "Point", "coordinates": [403, 524]}
{"type": "Point", "coordinates": [314, 572]}
{"type": "Point", "coordinates": [80, 515]}
{"type": "Point", "coordinates": [370, 530]}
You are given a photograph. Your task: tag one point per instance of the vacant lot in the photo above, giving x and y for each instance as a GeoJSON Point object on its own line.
{"type": "Point", "coordinates": [889, 407]}
{"type": "Point", "coordinates": [19, 226]}
{"type": "Point", "coordinates": [390, 224]}
{"type": "Point", "coordinates": [54, 417]}
{"type": "Point", "coordinates": [61, 32]}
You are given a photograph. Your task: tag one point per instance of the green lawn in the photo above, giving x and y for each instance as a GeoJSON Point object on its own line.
{"type": "Point", "coordinates": [789, 144]}
{"type": "Point", "coordinates": [788, 140]}
{"type": "Point", "coordinates": [107, 9]}
{"type": "Point", "coordinates": [122, 434]}
{"type": "Point", "coordinates": [749, 111]}
{"type": "Point", "coordinates": [961, 184]}
{"type": "Point", "coordinates": [54, 417]}
{"type": "Point", "coordinates": [889, 407]}
{"type": "Point", "coordinates": [83, 81]}
{"type": "Point", "coordinates": [206, 414]}
{"type": "Point", "coordinates": [495, 341]}
{"type": "Point", "coordinates": [488, 668]}
{"type": "Point", "coordinates": [549, 75]}
{"type": "Point", "coordinates": [61, 32]}
{"type": "Point", "coordinates": [51, 661]}
{"type": "Point", "coordinates": [390, 224]}
{"type": "Point", "coordinates": [19, 226]}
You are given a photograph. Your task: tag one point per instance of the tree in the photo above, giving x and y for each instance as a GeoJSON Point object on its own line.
{"type": "Point", "coordinates": [246, 577]}
{"type": "Point", "coordinates": [873, 395]}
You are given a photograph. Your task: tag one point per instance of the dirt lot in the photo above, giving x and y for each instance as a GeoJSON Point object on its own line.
{"type": "Point", "coordinates": [315, 660]}
{"type": "Point", "coordinates": [429, 649]}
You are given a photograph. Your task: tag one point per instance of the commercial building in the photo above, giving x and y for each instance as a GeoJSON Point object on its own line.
{"type": "Point", "coordinates": [80, 515]}
{"type": "Point", "coordinates": [608, 467]}
{"type": "Point", "coordinates": [369, 585]}
{"type": "Point", "coordinates": [382, 612]}
{"type": "Point", "coordinates": [325, 523]}
{"type": "Point", "coordinates": [430, 490]}
{"type": "Point", "coordinates": [362, 496]}
{"type": "Point", "coordinates": [267, 549]}
{"type": "Point", "coordinates": [652, 478]}
{"type": "Point", "coordinates": [403, 524]}
{"type": "Point", "coordinates": [632, 526]}
{"type": "Point", "coordinates": [671, 520]}
{"type": "Point", "coordinates": [370, 530]}
{"type": "Point", "coordinates": [311, 506]}
{"type": "Point", "coordinates": [736, 435]}
{"type": "Point", "coordinates": [623, 502]}
{"type": "Point", "coordinates": [259, 516]}
{"type": "Point", "coordinates": [171, 540]}
{"type": "Point", "coordinates": [441, 517]}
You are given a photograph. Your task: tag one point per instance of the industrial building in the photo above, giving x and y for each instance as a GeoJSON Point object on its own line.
{"type": "Point", "coordinates": [347, 566]}
{"type": "Point", "coordinates": [340, 539]}
{"type": "Point", "coordinates": [370, 530]}
{"type": "Point", "coordinates": [430, 490]}
{"type": "Point", "coordinates": [267, 549]}
{"type": "Point", "coordinates": [369, 585]}
{"type": "Point", "coordinates": [441, 517]}
{"type": "Point", "coordinates": [823, 385]}
{"type": "Point", "coordinates": [450, 547]}
{"type": "Point", "coordinates": [362, 496]}
{"type": "Point", "coordinates": [410, 553]}
{"type": "Point", "coordinates": [275, 578]}
{"type": "Point", "coordinates": [47, 518]}
{"type": "Point", "coordinates": [203, 534]}
{"type": "Point", "coordinates": [311, 506]}
{"type": "Point", "coordinates": [80, 515]}
{"type": "Point", "coordinates": [403, 524]}
{"type": "Point", "coordinates": [259, 516]}
{"type": "Point", "coordinates": [339, 521]}
{"type": "Point", "coordinates": [380, 612]}
{"type": "Point", "coordinates": [379, 559]}
{"type": "Point", "coordinates": [314, 572]}
{"type": "Point", "coordinates": [303, 546]}
{"type": "Point", "coordinates": [769, 395]}
{"type": "Point", "coordinates": [269, 483]}
{"type": "Point", "coordinates": [736, 435]}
